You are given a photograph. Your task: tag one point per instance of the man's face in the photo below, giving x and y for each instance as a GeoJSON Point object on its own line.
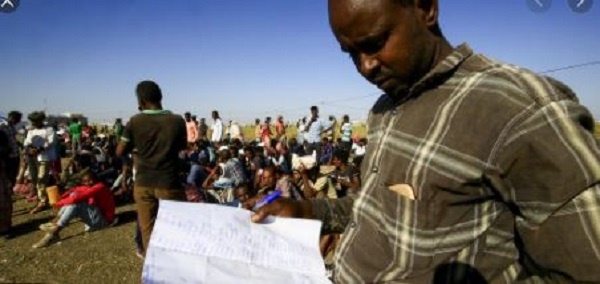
{"type": "Point", "coordinates": [86, 180]}
{"type": "Point", "coordinates": [336, 162]}
{"type": "Point", "coordinates": [242, 194]}
{"type": "Point", "coordinates": [268, 179]}
{"type": "Point", "coordinates": [388, 42]}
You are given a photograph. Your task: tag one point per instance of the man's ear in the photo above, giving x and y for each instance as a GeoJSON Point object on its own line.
{"type": "Point", "coordinates": [429, 12]}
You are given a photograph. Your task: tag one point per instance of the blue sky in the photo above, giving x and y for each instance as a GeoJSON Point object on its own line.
{"type": "Point", "coordinates": [249, 58]}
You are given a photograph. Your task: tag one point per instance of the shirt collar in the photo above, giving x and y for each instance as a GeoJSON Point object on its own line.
{"type": "Point", "coordinates": [443, 70]}
{"type": "Point", "coordinates": [155, 111]}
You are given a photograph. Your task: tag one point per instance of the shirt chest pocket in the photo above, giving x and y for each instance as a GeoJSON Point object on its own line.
{"type": "Point", "coordinates": [409, 225]}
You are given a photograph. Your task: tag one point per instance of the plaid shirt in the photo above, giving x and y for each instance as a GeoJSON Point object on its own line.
{"type": "Point", "coordinates": [486, 171]}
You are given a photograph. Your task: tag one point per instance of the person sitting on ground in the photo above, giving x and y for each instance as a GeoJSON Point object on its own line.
{"type": "Point", "coordinates": [281, 158]}
{"type": "Point", "coordinates": [322, 187]}
{"type": "Point", "coordinates": [241, 195]}
{"type": "Point", "coordinates": [254, 165]}
{"type": "Point", "coordinates": [296, 148]}
{"type": "Point", "coordinates": [195, 178]}
{"type": "Point", "coordinates": [346, 177]}
{"type": "Point", "coordinates": [326, 152]}
{"type": "Point", "coordinates": [268, 181]}
{"type": "Point", "coordinates": [92, 202]}
{"type": "Point", "coordinates": [232, 174]}
{"type": "Point", "coordinates": [286, 185]}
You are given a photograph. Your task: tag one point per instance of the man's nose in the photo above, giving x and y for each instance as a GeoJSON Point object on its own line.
{"type": "Point", "coordinates": [368, 64]}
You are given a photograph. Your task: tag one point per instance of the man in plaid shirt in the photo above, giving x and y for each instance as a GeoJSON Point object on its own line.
{"type": "Point", "coordinates": [475, 170]}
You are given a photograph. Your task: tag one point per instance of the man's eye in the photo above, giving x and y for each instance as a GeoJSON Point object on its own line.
{"type": "Point", "coordinates": [373, 46]}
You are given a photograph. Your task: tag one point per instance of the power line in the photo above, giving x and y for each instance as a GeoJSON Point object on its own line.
{"type": "Point", "coordinates": [332, 103]}
{"type": "Point", "coordinates": [575, 66]}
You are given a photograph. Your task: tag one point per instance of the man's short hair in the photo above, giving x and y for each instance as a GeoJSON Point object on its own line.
{"type": "Point", "coordinates": [314, 108]}
{"type": "Point", "coordinates": [37, 116]}
{"type": "Point", "coordinates": [341, 154]}
{"type": "Point", "coordinates": [149, 91]}
{"type": "Point", "coordinates": [15, 114]}
{"type": "Point", "coordinates": [225, 154]}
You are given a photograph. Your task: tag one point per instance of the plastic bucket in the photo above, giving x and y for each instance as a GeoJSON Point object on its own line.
{"type": "Point", "coordinates": [53, 194]}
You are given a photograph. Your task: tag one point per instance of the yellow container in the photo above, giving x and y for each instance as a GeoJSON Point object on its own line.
{"type": "Point", "coordinates": [53, 194]}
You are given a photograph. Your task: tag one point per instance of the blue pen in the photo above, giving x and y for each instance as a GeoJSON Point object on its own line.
{"type": "Point", "coordinates": [267, 199]}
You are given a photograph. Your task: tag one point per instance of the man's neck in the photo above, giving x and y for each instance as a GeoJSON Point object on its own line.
{"type": "Point", "coordinates": [153, 107]}
{"type": "Point", "coordinates": [442, 50]}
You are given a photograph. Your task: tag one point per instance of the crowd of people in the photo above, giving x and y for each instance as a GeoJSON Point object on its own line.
{"type": "Point", "coordinates": [95, 167]}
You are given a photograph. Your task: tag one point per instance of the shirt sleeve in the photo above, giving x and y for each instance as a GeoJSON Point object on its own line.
{"type": "Point", "coordinates": [127, 135]}
{"type": "Point", "coordinates": [334, 213]}
{"type": "Point", "coordinates": [217, 128]}
{"type": "Point", "coordinates": [549, 177]}
{"type": "Point", "coordinates": [28, 139]}
{"type": "Point", "coordinates": [83, 194]}
{"type": "Point", "coordinates": [320, 183]}
{"type": "Point", "coordinates": [50, 137]}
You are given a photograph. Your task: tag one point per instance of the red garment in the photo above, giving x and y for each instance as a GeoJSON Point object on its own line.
{"type": "Point", "coordinates": [98, 195]}
{"type": "Point", "coordinates": [265, 134]}
{"type": "Point", "coordinates": [280, 128]}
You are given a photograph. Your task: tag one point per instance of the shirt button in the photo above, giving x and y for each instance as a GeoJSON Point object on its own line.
{"type": "Point", "coordinates": [375, 170]}
{"type": "Point", "coordinates": [352, 224]}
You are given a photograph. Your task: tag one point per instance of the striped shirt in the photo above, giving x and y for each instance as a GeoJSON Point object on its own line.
{"type": "Point", "coordinates": [485, 171]}
{"type": "Point", "coordinates": [346, 132]}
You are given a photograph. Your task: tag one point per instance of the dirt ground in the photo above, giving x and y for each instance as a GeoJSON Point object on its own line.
{"type": "Point", "coordinates": [104, 256]}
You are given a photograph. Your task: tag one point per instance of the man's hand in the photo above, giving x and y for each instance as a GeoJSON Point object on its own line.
{"type": "Point", "coordinates": [302, 170]}
{"type": "Point", "coordinates": [283, 208]}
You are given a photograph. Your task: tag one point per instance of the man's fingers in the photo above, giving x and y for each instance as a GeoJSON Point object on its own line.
{"type": "Point", "coordinates": [264, 212]}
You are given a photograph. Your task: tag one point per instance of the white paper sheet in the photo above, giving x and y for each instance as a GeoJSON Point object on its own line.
{"type": "Point", "coordinates": [205, 243]}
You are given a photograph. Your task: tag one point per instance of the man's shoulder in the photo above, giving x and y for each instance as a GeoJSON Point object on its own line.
{"type": "Point", "coordinates": [520, 83]}
{"type": "Point", "coordinates": [171, 117]}
{"type": "Point", "coordinates": [4, 127]}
